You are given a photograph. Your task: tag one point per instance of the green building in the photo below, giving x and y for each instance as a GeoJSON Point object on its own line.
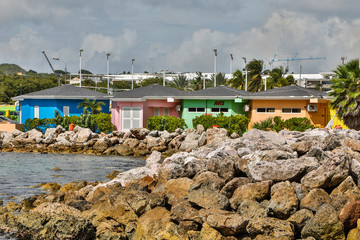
{"type": "Point", "coordinates": [212, 101]}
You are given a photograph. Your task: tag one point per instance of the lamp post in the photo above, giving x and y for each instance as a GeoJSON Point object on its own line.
{"type": "Point", "coordinates": [58, 59]}
{"type": "Point", "coordinates": [132, 73]}
{"type": "Point", "coordinates": [107, 72]}
{"type": "Point", "coordinates": [164, 76]}
{"type": "Point", "coordinates": [231, 62]}
{"type": "Point", "coordinates": [244, 58]}
{"type": "Point", "coordinates": [80, 51]}
{"type": "Point", "coordinates": [215, 54]}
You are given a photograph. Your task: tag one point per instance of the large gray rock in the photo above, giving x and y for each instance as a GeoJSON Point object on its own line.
{"type": "Point", "coordinates": [209, 199]}
{"type": "Point", "coordinates": [140, 133]}
{"type": "Point", "coordinates": [191, 142]}
{"type": "Point", "coordinates": [331, 173]}
{"type": "Point", "coordinates": [82, 134]}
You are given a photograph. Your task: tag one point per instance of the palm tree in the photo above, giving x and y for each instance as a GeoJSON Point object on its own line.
{"type": "Point", "coordinates": [94, 106]}
{"type": "Point", "coordinates": [220, 79]}
{"type": "Point", "coordinates": [237, 81]}
{"type": "Point", "coordinates": [255, 68]}
{"type": "Point", "coordinates": [277, 78]}
{"type": "Point", "coordinates": [198, 82]}
{"type": "Point", "coordinates": [180, 82]}
{"type": "Point", "coordinates": [346, 93]}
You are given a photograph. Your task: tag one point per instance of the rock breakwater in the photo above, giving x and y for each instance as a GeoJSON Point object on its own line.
{"type": "Point", "coordinates": [264, 185]}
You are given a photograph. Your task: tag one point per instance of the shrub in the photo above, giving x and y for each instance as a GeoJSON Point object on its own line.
{"type": "Point", "coordinates": [39, 124]}
{"type": "Point", "coordinates": [102, 122]}
{"type": "Point", "coordinates": [233, 123]}
{"type": "Point", "coordinates": [167, 123]}
{"type": "Point", "coordinates": [277, 124]}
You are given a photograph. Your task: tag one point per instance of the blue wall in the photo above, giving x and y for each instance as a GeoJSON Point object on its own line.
{"type": "Point", "coordinates": [47, 107]}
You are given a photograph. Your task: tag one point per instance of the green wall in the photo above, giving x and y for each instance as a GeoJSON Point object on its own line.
{"type": "Point", "coordinates": [233, 108]}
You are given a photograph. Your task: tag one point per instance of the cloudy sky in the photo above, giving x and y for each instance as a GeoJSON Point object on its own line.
{"type": "Point", "coordinates": [178, 35]}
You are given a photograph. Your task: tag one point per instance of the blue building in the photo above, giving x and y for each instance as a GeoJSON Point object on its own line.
{"type": "Point", "coordinates": [64, 99]}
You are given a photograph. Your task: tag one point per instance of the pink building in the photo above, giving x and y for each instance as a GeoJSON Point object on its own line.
{"type": "Point", "coordinates": [131, 109]}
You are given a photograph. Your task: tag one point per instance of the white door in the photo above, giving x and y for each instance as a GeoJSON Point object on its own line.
{"type": "Point", "coordinates": [131, 118]}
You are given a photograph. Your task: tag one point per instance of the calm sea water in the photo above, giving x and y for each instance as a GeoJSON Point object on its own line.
{"type": "Point", "coordinates": [19, 172]}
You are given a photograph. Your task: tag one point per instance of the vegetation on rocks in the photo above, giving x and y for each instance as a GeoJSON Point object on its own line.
{"type": "Point", "coordinates": [168, 123]}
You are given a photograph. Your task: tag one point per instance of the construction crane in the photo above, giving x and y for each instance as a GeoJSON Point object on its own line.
{"type": "Point", "coordinates": [59, 80]}
{"type": "Point", "coordinates": [294, 58]}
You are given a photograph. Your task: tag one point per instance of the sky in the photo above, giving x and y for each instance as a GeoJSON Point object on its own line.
{"type": "Point", "coordinates": [178, 35]}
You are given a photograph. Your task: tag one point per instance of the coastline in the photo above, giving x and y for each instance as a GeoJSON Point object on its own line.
{"type": "Point", "coordinates": [262, 185]}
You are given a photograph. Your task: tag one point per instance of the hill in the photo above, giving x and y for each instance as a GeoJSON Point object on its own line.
{"type": "Point", "coordinates": [10, 69]}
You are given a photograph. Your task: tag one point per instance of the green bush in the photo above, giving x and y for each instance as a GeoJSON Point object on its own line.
{"type": "Point", "coordinates": [96, 122]}
{"type": "Point", "coordinates": [277, 124]}
{"type": "Point", "coordinates": [233, 123]}
{"type": "Point", "coordinates": [167, 123]}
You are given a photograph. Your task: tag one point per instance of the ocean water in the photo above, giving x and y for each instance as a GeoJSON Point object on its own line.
{"type": "Point", "coordinates": [20, 172]}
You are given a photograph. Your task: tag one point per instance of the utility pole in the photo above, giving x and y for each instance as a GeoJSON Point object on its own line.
{"type": "Point", "coordinates": [107, 72]}
{"type": "Point", "coordinates": [246, 78]}
{"type": "Point", "coordinates": [231, 63]}
{"type": "Point", "coordinates": [215, 54]}
{"type": "Point", "coordinates": [132, 73]}
{"type": "Point", "coordinates": [80, 51]}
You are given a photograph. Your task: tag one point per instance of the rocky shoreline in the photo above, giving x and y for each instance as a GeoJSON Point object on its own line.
{"type": "Point", "coordinates": [264, 185]}
{"type": "Point", "coordinates": [137, 142]}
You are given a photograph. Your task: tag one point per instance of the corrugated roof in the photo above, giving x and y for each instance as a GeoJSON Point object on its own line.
{"type": "Point", "coordinates": [219, 92]}
{"type": "Point", "coordinates": [149, 91]}
{"type": "Point", "coordinates": [64, 92]}
{"type": "Point", "coordinates": [289, 91]}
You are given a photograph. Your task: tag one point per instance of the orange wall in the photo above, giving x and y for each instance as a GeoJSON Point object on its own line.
{"type": "Point", "coordinates": [319, 118]}
{"type": "Point", "coordinates": [9, 127]}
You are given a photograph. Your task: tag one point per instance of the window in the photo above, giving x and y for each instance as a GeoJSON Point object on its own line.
{"type": "Point", "coordinates": [265, 110]}
{"type": "Point", "coordinates": [166, 111]}
{"type": "Point", "coordinates": [214, 110]}
{"type": "Point", "coordinates": [156, 111]}
{"type": "Point", "coordinates": [36, 111]}
{"type": "Point", "coordinates": [2, 113]}
{"type": "Point", "coordinates": [66, 110]}
{"type": "Point", "coordinates": [199, 109]}
{"type": "Point", "coordinates": [291, 110]}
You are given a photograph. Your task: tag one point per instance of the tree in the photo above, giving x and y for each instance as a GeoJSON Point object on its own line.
{"type": "Point", "coordinates": [150, 81]}
{"type": "Point", "coordinates": [198, 82]}
{"type": "Point", "coordinates": [237, 81]}
{"type": "Point", "coordinates": [220, 79]}
{"type": "Point", "coordinates": [346, 93]}
{"type": "Point", "coordinates": [180, 82]}
{"type": "Point", "coordinates": [254, 68]}
{"type": "Point", "coordinates": [277, 78]}
{"type": "Point", "coordinates": [94, 106]}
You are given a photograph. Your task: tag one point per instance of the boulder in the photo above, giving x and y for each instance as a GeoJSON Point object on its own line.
{"type": "Point", "coordinates": [183, 211]}
{"type": "Point", "coordinates": [353, 144]}
{"type": "Point", "coordinates": [251, 191]}
{"type": "Point", "coordinates": [331, 173]}
{"type": "Point", "coordinates": [270, 228]}
{"type": "Point", "coordinates": [124, 150]}
{"type": "Point", "coordinates": [315, 199]}
{"type": "Point", "coordinates": [156, 224]}
{"type": "Point", "coordinates": [140, 133]}
{"type": "Point", "coordinates": [208, 180]}
{"type": "Point", "coordinates": [131, 142]}
{"type": "Point", "coordinates": [350, 214]}
{"type": "Point", "coordinates": [54, 220]}
{"type": "Point", "coordinates": [176, 189]}
{"type": "Point", "coordinates": [207, 198]}
{"type": "Point", "coordinates": [227, 223]}
{"type": "Point", "coordinates": [354, 233]}
{"type": "Point", "coordinates": [101, 144]}
{"type": "Point", "coordinates": [278, 170]}
{"type": "Point", "coordinates": [252, 209]}
{"type": "Point", "coordinates": [83, 134]}
{"type": "Point", "coordinates": [215, 136]}
{"type": "Point", "coordinates": [232, 185]}
{"type": "Point", "coordinates": [283, 201]}
{"type": "Point", "coordinates": [190, 142]}
{"type": "Point", "coordinates": [324, 225]}
{"type": "Point", "coordinates": [300, 218]}
{"type": "Point", "coordinates": [152, 142]}
{"type": "Point", "coordinates": [223, 165]}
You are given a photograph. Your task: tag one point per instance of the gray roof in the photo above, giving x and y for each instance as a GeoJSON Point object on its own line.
{"type": "Point", "coordinates": [288, 92]}
{"type": "Point", "coordinates": [64, 92]}
{"type": "Point", "coordinates": [154, 91]}
{"type": "Point", "coordinates": [218, 92]}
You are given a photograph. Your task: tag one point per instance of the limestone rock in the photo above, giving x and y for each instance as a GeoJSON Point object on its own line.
{"type": "Point", "coordinates": [176, 189]}
{"type": "Point", "coordinates": [124, 150]}
{"type": "Point", "coordinates": [270, 228]}
{"type": "Point", "coordinates": [350, 214]}
{"type": "Point", "coordinates": [324, 225]}
{"type": "Point", "coordinates": [206, 198]}
{"type": "Point", "coordinates": [252, 209]}
{"type": "Point", "coordinates": [232, 185]}
{"type": "Point", "coordinates": [251, 191]}
{"type": "Point", "coordinates": [315, 199]}
{"type": "Point", "coordinates": [300, 218]}
{"type": "Point", "coordinates": [283, 202]}
{"type": "Point", "coordinates": [140, 133]}
{"type": "Point", "coordinates": [208, 180]}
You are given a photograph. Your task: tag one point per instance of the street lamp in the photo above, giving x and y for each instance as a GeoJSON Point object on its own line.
{"type": "Point", "coordinates": [244, 58]}
{"type": "Point", "coordinates": [80, 51]}
{"type": "Point", "coordinates": [231, 62]}
{"type": "Point", "coordinates": [164, 76]}
{"type": "Point", "coordinates": [215, 54]}
{"type": "Point", "coordinates": [132, 73]}
{"type": "Point", "coordinates": [107, 72]}
{"type": "Point", "coordinates": [58, 59]}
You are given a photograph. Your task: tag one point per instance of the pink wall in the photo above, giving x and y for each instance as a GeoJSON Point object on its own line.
{"type": "Point", "coordinates": [147, 109]}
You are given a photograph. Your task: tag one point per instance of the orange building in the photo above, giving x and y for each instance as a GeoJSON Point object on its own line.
{"type": "Point", "coordinates": [289, 102]}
